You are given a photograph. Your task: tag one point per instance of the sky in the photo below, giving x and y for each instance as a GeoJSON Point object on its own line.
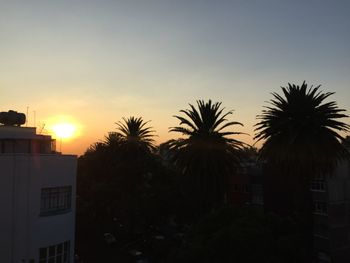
{"type": "Point", "coordinates": [91, 63]}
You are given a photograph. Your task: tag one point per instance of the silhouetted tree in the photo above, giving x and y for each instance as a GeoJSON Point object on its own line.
{"type": "Point", "coordinates": [134, 131]}
{"type": "Point", "coordinates": [115, 182]}
{"type": "Point", "coordinates": [241, 235]}
{"type": "Point", "coordinates": [301, 139]}
{"type": "Point", "coordinates": [207, 156]}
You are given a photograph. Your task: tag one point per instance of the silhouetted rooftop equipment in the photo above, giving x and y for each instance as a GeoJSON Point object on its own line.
{"type": "Point", "coordinates": [12, 118]}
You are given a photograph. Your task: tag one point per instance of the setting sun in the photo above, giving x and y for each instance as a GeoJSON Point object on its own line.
{"type": "Point", "coordinates": [63, 127]}
{"type": "Point", "coordinates": [64, 130]}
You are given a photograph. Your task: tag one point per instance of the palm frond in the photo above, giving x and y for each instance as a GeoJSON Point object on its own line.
{"type": "Point", "coordinates": [299, 125]}
{"type": "Point", "coordinates": [207, 155]}
{"type": "Point", "coordinates": [135, 130]}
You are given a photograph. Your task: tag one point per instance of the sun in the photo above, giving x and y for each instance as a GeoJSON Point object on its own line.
{"type": "Point", "coordinates": [64, 130]}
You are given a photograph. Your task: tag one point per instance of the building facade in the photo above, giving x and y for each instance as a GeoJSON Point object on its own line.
{"type": "Point", "coordinates": [331, 212]}
{"type": "Point", "coordinates": [240, 185]}
{"type": "Point", "coordinates": [330, 208]}
{"type": "Point", "coordinates": [37, 198]}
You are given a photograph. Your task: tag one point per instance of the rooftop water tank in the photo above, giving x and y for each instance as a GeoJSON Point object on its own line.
{"type": "Point", "coordinates": [12, 118]}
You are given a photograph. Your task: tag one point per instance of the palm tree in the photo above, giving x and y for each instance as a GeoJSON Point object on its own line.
{"type": "Point", "coordinates": [207, 156]}
{"type": "Point", "coordinates": [136, 161]}
{"type": "Point", "coordinates": [301, 139]}
{"type": "Point", "coordinates": [134, 131]}
{"type": "Point", "coordinates": [293, 127]}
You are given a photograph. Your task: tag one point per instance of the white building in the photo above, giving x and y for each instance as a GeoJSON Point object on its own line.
{"type": "Point", "coordinates": [37, 198]}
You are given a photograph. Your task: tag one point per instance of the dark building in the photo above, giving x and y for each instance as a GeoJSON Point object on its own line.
{"type": "Point", "coordinates": [330, 208]}
{"type": "Point", "coordinates": [246, 187]}
{"type": "Point", "coordinates": [331, 213]}
{"type": "Point", "coordinates": [239, 186]}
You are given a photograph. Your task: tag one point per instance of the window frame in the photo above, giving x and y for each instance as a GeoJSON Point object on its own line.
{"type": "Point", "coordinates": [55, 200]}
{"type": "Point", "coordinates": [318, 184]}
{"type": "Point", "coordinates": [53, 254]}
{"type": "Point", "coordinates": [320, 207]}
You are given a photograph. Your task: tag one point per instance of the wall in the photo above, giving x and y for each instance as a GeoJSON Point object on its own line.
{"type": "Point", "coordinates": [22, 230]}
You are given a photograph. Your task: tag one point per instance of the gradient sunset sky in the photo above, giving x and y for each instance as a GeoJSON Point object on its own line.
{"type": "Point", "coordinates": [93, 62]}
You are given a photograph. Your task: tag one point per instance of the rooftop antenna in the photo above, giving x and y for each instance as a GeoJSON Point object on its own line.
{"type": "Point", "coordinates": [34, 118]}
{"type": "Point", "coordinates": [42, 128]}
{"type": "Point", "coordinates": [27, 116]}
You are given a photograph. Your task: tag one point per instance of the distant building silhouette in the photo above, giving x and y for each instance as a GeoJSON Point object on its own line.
{"type": "Point", "coordinates": [246, 186]}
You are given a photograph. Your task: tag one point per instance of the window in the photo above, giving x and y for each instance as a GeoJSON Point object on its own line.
{"type": "Point", "coordinates": [323, 256]}
{"type": "Point", "coordinates": [318, 184]}
{"type": "Point", "coordinates": [55, 200]}
{"type": "Point", "coordinates": [55, 254]}
{"type": "Point", "coordinates": [242, 188]}
{"type": "Point", "coordinates": [8, 146]}
{"type": "Point", "coordinates": [258, 199]}
{"type": "Point", "coordinates": [320, 207]}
